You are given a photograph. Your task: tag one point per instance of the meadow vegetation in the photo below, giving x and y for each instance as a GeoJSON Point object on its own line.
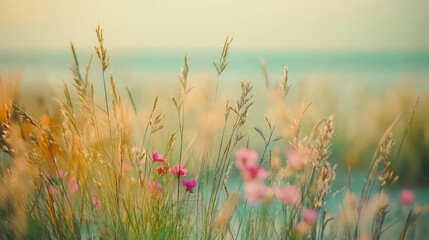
{"type": "Point", "coordinates": [192, 167]}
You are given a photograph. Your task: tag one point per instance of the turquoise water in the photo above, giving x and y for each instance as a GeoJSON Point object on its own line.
{"type": "Point", "coordinates": [368, 67]}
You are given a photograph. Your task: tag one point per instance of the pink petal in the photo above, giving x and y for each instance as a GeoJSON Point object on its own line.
{"type": "Point", "coordinates": [246, 158]}
{"type": "Point", "coordinates": [309, 215]}
{"type": "Point", "coordinates": [289, 194]}
{"type": "Point", "coordinates": [406, 197]}
{"type": "Point", "coordinates": [185, 183]}
{"type": "Point", "coordinates": [254, 191]}
{"type": "Point", "coordinates": [192, 182]}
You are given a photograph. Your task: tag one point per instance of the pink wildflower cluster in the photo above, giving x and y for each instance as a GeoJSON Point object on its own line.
{"type": "Point", "coordinates": [253, 175]}
{"type": "Point", "coordinates": [254, 188]}
{"type": "Point", "coordinates": [177, 171]}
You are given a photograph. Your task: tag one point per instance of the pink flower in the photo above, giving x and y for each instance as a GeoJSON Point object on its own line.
{"type": "Point", "coordinates": [72, 185]}
{"type": "Point", "coordinates": [103, 232]}
{"type": "Point", "coordinates": [309, 215]}
{"type": "Point", "coordinates": [289, 194]}
{"type": "Point", "coordinates": [52, 189]}
{"type": "Point", "coordinates": [246, 158]}
{"type": "Point", "coordinates": [189, 185]}
{"type": "Point", "coordinates": [254, 191]}
{"type": "Point", "coordinates": [155, 189]}
{"type": "Point", "coordinates": [406, 197]}
{"type": "Point", "coordinates": [178, 170]}
{"type": "Point", "coordinates": [298, 156]}
{"type": "Point", "coordinates": [94, 200]}
{"type": "Point", "coordinates": [254, 173]}
{"type": "Point", "coordinates": [157, 157]}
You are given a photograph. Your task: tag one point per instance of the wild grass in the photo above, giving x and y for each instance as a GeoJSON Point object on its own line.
{"type": "Point", "coordinates": [100, 173]}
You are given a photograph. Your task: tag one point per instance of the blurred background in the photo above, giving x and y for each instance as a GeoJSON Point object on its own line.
{"type": "Point", "coordinates": [364, 61]}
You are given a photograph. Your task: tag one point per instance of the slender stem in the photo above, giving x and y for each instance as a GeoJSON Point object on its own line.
{"type": "Point", "coordinates": [217, 87]}
{"type": "Point", "coordinates": [111, 141]}
{"type": "Point", "coordinates": [241, 220]}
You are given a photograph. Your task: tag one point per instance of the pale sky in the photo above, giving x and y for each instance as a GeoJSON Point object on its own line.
{"type": "Point", "coordinates": [293, 25]}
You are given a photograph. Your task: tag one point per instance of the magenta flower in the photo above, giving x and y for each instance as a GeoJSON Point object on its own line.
{"type": "Point", "coordinates": [309, 215]}
{"type": "Point", "coordinates": [178, 170]}
{"type": "Point", "coordinates": [155, 189]}
{"type": "Point", "coordinates": [189, 185]}
{"type": "Point", "coordinates": [254, 191]}
{"type": "Point", "coordinates": [298, 156]}
{"type": "Point", "coordinates": [254, 172]}
{"type": "Point", "coordinates": [289, 194]}
{"type": "Point", "coordinates": [157, 157]}
{"type": "Point", "coordinates": [406, 197]}
{"type": "Point", "coordinates": [103, 232]}
{"type": "Point", "coordinates": [246, 158]}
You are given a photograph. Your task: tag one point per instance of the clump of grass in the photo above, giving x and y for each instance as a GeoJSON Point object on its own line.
{"type": "Point", "coordinates": [91, 176]}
